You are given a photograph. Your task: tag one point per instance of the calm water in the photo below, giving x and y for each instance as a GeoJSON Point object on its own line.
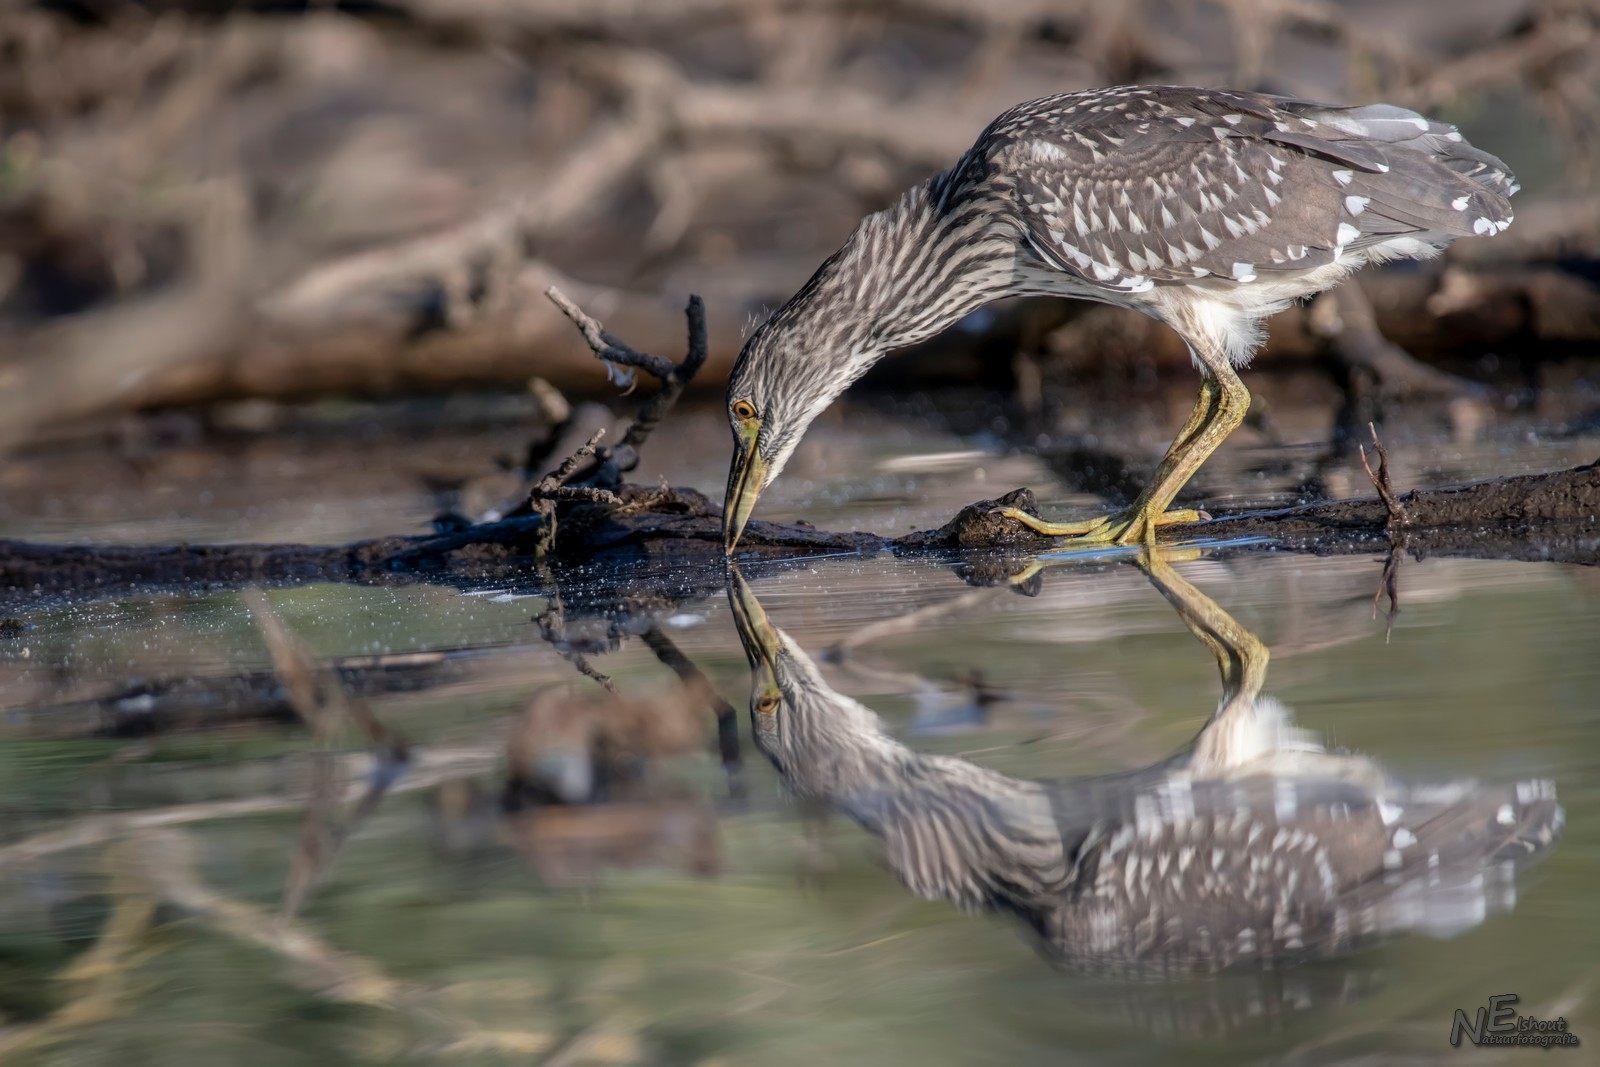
{"type": "Point", "coordinates": [143, 879]}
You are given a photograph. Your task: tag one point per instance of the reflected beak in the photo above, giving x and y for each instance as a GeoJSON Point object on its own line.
{"type": "Point", "coordinates": [757, 635]}
{"type": "Point", "coordinates": [755, 632]}
{"type": "Point", "coordinates": [746, 477]}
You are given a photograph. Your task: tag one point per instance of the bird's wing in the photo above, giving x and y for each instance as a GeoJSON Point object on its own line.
{"type": "Point", "coordinates": [1135, 187]}
{"type": "Point", "coordinates": [1281, 864]}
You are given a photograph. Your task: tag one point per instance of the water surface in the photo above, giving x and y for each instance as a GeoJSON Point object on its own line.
{"type": "Point", "coordinates": [432, 933]}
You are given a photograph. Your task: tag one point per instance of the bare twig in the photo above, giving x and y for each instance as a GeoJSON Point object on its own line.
{"type": "Point", "coordinates": [569, 466]}
{"type": "Point", "coordinates": [1380, 481]}
{"type": "Point", "coordinates": [1389, 584]}
{"type": "Point", "coordinates": [606, 347]}
{"type": "Point", "coordinates": [672, 385]}
{"type": "Point", "coordinates": [553, 488]}
{"type": "Point", "coordinates": [552, 626]}
{"type": "Point", "coordinates": [317, 695]}
{"type": "Point", "coordinates": [674, 377]}
{"type": "Point", "coordinates": [1398, 521]}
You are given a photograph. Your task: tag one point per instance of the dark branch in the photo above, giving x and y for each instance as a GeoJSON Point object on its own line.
{"type": "Point", "coordinates": [1380, 481]}
{"type": "Point", "coordinates": [569, 466]}
{"type": "Point", "coordinates": [673, 384]}
{"type": "Point", "coordinates": [1548, 516]}
{"type": "Point", "coordinates": [604, 345]}
{"type": "Point", "coordinates": [674, 378]}
{"type": "Point", "coordinates": [694, 680]}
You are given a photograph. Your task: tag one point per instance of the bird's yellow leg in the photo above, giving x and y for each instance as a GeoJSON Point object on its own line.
{"type": "Point", "coordinates": [1166, 553]}
{"type": "Point", "coordinates": [1187, 457]}
{"type": "Point", "coordinates": [1217, 412]}
{"type": "Point", "coordinates": [1241, 657]}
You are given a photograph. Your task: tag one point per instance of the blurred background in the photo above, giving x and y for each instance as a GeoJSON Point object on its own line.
{"type": "Point", "coordinates": [274, 272]}
{"type": "Point", "coordinates": [204, 202]}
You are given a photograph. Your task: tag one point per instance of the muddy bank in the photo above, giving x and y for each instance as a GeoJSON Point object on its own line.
{"type": "Point", "coordinates": [584, 511]}
{"type": "Point", "coordinates": [1499, 517]}
{"type": "Point", "coordinates": [1539, 516]}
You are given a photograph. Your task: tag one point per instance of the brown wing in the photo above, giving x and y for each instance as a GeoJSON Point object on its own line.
{"type": "Point", "coordinates": [1133, 187]}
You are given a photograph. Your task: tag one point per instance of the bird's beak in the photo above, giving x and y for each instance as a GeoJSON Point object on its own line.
{"type": "Point", "coordinates": [757, 635]}
{"type": "Point", "coordinates": [746, 477]}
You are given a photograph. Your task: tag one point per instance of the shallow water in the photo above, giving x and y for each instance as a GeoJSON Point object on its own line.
{"type": "Point", "coordinates": [432, 932]}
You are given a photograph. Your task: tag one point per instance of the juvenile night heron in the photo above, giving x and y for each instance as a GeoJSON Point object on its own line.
{"type": "Point", "coordinates": [1206, 209]}
{"type": "Point", "coordinates": [1253, 844]}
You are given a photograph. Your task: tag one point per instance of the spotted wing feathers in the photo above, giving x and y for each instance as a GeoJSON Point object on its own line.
{"type": "Point", "coordinates": [1136, 187]}
{"type": "Point", "coordinates": [1290, 866]}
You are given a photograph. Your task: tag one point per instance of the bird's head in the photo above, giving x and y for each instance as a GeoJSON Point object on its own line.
{"type": "Point", "coordinates": [786, 375]}
{"type": "Point", "coordinates": [763, 647]}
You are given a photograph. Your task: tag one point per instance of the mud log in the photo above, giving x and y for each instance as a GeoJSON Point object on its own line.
{"type": "Point", "coordinates": [585, 511]}
{"type": "Point", "coordinates": [1553, 516]}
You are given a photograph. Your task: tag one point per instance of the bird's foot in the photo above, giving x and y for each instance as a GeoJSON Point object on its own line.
{"type": "Point", "coordinates": [1136, 526]}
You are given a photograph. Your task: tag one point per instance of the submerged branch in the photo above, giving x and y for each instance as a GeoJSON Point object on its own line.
{"type": "Point", "coordinates": [168, 862]}
{"type": "Point", "coordinates": [317, 695]}
{"type": "Point", "coordinates": [701, 691]}
{"type": "Point", "coordinates": [431, 768]}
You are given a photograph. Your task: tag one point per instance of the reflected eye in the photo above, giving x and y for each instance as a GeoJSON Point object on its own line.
{"type": "Point", "coordinates": [743, 410]}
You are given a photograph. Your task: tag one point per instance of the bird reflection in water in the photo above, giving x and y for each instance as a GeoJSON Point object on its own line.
{"type": "Point", "coordinates": [1253, 845]}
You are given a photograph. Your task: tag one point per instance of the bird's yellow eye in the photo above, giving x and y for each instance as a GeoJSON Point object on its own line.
{"type": "Point", "coordinates": [767, 704]}
{"type": "Point", "coordinates": [743, 410]}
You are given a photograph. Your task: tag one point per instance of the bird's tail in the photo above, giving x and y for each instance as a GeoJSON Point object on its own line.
{"type": "Point", "coordinates": [1411, 174]}
{"type": "Point", "coordinates": [1454, 852]}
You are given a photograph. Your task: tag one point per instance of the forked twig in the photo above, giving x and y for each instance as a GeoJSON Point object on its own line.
{"type": "Point", "coordinates": [317, 695]}
{"type": "Point", "coordinates": [606, 345]}
{"type": "Point", "coordinates": [553, 489]}
{"type": "Point", "coordinates": [1380, 480]}
{"type": "Point", "coordinates": [1398, 521]}
{"type": "Point", "coordinates": [616, 353]}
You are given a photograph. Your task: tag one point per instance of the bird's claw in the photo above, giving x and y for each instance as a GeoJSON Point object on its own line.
{"type": "Point", "coordinates": [1131, 527]}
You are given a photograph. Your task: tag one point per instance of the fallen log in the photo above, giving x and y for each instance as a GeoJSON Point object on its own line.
{"type": "Point", "coordinates": [178, 702]}
{"type": "Point", "coordinates": [586, 513]}
{"type": "Point", "coordinates": [1554, 516]}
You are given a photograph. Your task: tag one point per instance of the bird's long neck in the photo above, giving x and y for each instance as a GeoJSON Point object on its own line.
{"type": "Point", "coordinates": [832, 748]}
{"type": "Point", "coordinates": [905, 274]}
{"type": "Point", "coordinates": [950, 828]}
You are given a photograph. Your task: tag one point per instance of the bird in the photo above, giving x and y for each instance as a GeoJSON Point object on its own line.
{"type": "Point", "coordinates": [1254, 844]}
{"type": "Point", "coordinates": [1207, 209]}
